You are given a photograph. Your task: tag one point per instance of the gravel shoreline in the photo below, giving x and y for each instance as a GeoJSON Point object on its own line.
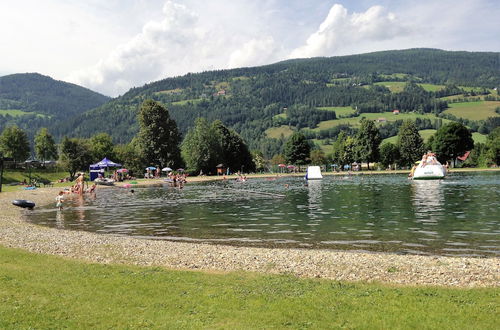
{"type": "Point", "coordinates": [336, 265]}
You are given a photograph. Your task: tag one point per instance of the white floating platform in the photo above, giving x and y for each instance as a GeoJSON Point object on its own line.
{"type": "Point", "coordinates": [429, 172]}
{"type": "Point", "coordinates": [313, 173]}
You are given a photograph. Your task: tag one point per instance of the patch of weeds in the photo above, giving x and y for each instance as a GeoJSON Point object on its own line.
{"type": "Point", "coordinates": [392, 269]}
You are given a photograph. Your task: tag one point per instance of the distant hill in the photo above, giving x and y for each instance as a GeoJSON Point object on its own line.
{"type": "Point", "coordinates": [294, 94]}
{"type": "Point", "coordinates": [319, 96]}
{"type": "Point", "coordinates": [31, 100]}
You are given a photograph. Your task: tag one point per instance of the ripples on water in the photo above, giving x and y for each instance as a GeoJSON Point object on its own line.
{"type": "Point", "coordinates": [455, 216]}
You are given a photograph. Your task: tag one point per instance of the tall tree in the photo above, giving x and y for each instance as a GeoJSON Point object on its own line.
{"type": "Point", "coordinates": [452, 140]}
{"type": "Point", "coordinates": [258, 160]}
{"type": "Point", "coordinates": [410, 144]}
{"type": "Point", "coordinates": [493, 145]}
{"type": "Point", "coordinates": [45, 146]}
{"type": "Point", "coordinates": [389, 154]}
{"type": "Point", "coordinates": [368, 141]}
{"type": "Point", "coordinates": [201, 147]}
{"type": "Point", "coordinates": [338, 149]}
{"type": "Point", "coordinates": [234, 151]}
{"type": "Point", "coordinates": [318, 157]}
{"type": "Point", "coordinates": [129, 155]}
{"type": "Point", "coordinates": [158, 135]}
{"type": "Point", "coordinates": [297, 149]}
{"type": "Point", "coordinates": [75, 155]}
{"type": "Point", "coordinates": [14, 143]}
{"type": "Point", "coordinates": [101, 145]}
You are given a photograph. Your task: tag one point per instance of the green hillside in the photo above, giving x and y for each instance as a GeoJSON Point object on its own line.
{"type": "Point", "coordinates": [319, 96]}
{"type": "Point", "coordinates": [31, 100]}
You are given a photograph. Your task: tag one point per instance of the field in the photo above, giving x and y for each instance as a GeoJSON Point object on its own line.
{"type": "Point", "coordinates": [398, 86]}
{"type": "Point", "coordinates": [17, 113]}
{"type": "Point", "coordinates": [339, 111]}
{"type": "Point", "coordinates": [426, 134]}
{"type": "Point", "coordinates": [478, 137]}
{"type": "Point", "coordinates": [388, 116]}
{"type": "Point", "coordinates": [184, 102]}
{"type": "Point", "coordinates": [478, 110]}
{"type": "Point", "coordinates": [327, 148]}
{"type": "Point", "coordinates": [277, 132]}
{"type": "Point", "coordinates": [170, 91]}
{"type": "Point", "coordinates": [47, 292]}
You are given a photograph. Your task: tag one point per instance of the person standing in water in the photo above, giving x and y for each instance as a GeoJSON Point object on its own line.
{"type": "Point", "coordinates": [60, 200]}
{"type": "Point", "coordinates": [80, 182]}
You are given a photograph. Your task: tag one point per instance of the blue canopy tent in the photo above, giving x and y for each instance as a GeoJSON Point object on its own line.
{"type": "Point", "coordinates": [100, 167]}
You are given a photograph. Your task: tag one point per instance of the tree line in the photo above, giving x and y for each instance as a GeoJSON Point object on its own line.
{"type": "Point", "coordinates": [209, 144]}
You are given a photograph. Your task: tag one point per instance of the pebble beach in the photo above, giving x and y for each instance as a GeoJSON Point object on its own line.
{"type": "Point", "coordinates": [387, 268]}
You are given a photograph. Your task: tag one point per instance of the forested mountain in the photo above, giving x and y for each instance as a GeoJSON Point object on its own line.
{"type": "Point", "coordinates": [294, 94]}
{"type": "Point", "coordinates": [31, 100]}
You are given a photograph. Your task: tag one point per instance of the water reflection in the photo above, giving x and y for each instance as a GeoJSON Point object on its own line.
{"type": "Point", "coordinates": [60, 219]}
{"type": "Point", "coordinates": [314, 195]}
{"type": "Point", "coordinates": [428, 199]}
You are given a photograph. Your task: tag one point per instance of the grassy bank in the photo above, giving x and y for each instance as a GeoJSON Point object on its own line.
{"type": "Point", "coordinates": [40, 291]}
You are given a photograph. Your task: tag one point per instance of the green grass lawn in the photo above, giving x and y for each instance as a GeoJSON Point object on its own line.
{"type": "Point", "coordinates": [477, 110]}
{"type": "Point", "coordinates": [276, 132]}
{"type": "Point", "coordinates": [42, 292]}
{"type": "Point", "coordinates": [339, 111]}
{"type": "Point", "coordinates": [10, 176]}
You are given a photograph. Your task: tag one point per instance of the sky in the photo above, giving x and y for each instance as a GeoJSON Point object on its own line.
{"type": "Point", "coordinates": [111, 46]}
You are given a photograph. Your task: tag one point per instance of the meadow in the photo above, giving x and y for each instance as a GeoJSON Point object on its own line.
{"type": "Point", "coordinates": [339, 111]}
{"type": "Point", "coordinates": [398, 86]}
{"type": "Point", "coordinates": [41, 291]}
{"type": "Point", "coordinates": [387, 116]}
{"type": "Point", "coordinates": [478, 110]}
{"type": "Point", "coordinates": [18, 113]}
{"type": "Point", "coordinates": [277, 132]}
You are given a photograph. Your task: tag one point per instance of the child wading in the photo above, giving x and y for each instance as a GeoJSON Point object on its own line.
{"type": "Point", "coordinates": [60, 200]}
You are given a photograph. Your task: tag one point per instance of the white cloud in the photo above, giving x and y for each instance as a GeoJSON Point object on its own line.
{"type": "Point", "coordinates": [182, 41]}
{"type": "Point", "coordinates": [254, 52]}
{"type": "Point", "coordinates": [341, 30]}
{"type": "Point", "coordinates": [114, 45]}
{"type": "Point", "coordinates": [155, 52]}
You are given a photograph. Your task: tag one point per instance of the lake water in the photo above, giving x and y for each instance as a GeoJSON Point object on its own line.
{"type": "Point", "coordinates": [456, 216]}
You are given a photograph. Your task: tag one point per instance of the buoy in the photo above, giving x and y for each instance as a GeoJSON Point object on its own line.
{"type": "Point", "coordinates": [24, 203]}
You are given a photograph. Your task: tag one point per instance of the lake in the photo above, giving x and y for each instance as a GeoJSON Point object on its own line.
{"type": "Point", "coordinates": [385, 213]}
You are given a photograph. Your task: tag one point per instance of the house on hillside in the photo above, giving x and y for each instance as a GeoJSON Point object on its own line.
{"type": "Point", "coordinates": [222, 92]}
{"type": "Point", "coordinates": [381, 120]}
{"type": "Point", "coordinates": [395, 112]}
